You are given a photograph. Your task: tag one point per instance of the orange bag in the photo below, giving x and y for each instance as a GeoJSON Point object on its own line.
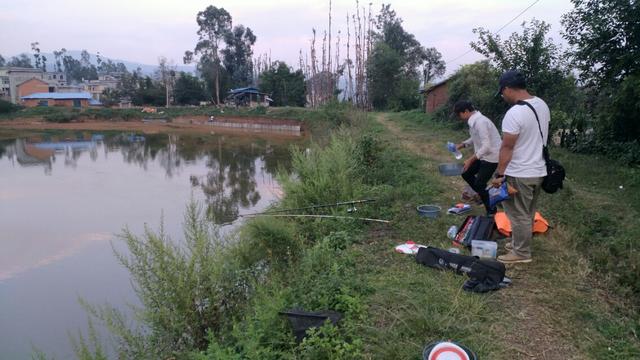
{"type": "Point", "coordinates": [540, 224]}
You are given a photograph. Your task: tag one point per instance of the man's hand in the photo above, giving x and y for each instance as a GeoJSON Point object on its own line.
{"type": "Point", "coordinates": [460, 146]}
{"type": "Point", "coordinates": [468, 163]}
{"type": "Point", "coordinates": [497, 181]}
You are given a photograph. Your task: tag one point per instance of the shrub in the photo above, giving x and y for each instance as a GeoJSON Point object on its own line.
{"type": "Point", "coordinates": [61, 117]}
{"type": "Point", "coordinates": [273, 240]}
{"type": "Point", "coordinates": [324, 175]}
{"type": "Point", "coordinates": [7, 107]}
{"type": "Point", "coordinates": [186, 290]}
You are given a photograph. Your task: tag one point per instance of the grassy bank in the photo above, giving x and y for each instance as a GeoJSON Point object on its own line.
{"type": "Point", "coordinates": [331, 113]}
{"type": "Point", "coordinates": [219, 298]}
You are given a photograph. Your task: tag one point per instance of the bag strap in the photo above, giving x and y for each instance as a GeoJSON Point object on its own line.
{"type": "Point", "coordinates": [545, 151]}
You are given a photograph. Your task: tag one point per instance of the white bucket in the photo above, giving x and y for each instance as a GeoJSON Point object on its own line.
{"type": "Point", "coordinates": [484, 249]}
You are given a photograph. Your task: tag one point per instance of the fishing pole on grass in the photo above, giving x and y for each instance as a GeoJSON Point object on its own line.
{"type": "Point", "coordinates": [311, 207]}
{"type": "Point", "coordinates": [322, 216]}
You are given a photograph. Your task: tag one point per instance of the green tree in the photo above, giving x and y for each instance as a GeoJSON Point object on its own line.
{"type": "Point", "coordinates": [476, 82]}
{"type": "Point", "coordinates": [287, 88]}
{"type": "Point", "coordinates": [148, 93]}
{"type": "Point", "coordinates": [78, 70]}
{"type": "Point", "coordinates": [392, 66]}
{"type": "Point", "coordinates": [605, 36]}
{"type": "Point", "coordinates": [237, 55]}
{"type": "Point", "coordinates": [188, 90]}
{"type": "Point", "coordinates": [2, 61]}
{"type": "Point", "coordinates": [214, 24]}
{"type": "Point", "coordinates": [41, 60]}
{"type": "Point", "coordinates": [20, 61]}
{"type": "Point", "coordinates": [391, 32]}
{"type": "Point", "coordinates": [541, 60]}
{"type": "Point", "coordinates": [57, 56]}
{"type": "Point", "coordinates": [385, 71]}
{"type": "Point", "coordinates": [432, 65]}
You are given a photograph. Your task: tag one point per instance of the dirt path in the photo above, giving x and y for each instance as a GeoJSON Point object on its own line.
{"type": "Point", "coordinates": [535, 324]}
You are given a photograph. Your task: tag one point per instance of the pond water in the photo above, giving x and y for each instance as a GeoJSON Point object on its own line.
{"type": "Point", "coordinates": [64, 197]}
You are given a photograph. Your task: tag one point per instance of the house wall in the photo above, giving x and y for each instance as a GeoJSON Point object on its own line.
{"type": "Point", "coordinates": [15, 77]}
{"type": "Point", "coordinates": [436, 97]}
{"type": "Point", "coordinates": [32, 86]}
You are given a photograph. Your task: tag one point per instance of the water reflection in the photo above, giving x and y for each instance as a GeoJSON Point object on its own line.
{"type": "Point", "coordinates": [63, 196]}
{"type": "Point", "coordinates": [227, 186]}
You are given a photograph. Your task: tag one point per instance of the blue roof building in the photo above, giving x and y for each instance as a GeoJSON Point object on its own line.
{"type": "Point", "coordinates": [248, 96]}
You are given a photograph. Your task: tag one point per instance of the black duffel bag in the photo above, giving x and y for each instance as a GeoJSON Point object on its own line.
{"type": "Point", "coordinates": [444, 260]}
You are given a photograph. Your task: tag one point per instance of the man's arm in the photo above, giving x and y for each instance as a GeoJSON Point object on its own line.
{"type": "Point", "coordinates": [506, 152]}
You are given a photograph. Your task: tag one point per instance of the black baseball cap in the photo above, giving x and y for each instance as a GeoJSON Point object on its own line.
{"type": "Point", "coordinates": [512, 78]}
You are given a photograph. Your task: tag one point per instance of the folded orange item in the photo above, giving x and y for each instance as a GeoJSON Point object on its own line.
{"type": "Point", "coordinates": [540, 224]}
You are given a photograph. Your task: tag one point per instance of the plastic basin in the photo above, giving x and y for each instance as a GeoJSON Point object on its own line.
{"type": "Point", "coordinates": [427, 349]}
{"type": "Point", "coordinates": [450, 169]}
{"type": "Point", "coordinates": [430, 211]}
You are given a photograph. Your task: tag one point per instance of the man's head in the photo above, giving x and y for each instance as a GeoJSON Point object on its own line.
{"type": "Point", "coordinates": [511, 83]}
{"type": "Point", "coordinates": [463, 109]}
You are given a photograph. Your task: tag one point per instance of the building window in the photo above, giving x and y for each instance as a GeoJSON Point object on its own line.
{"type": "Point", "coordinates": [43, 103]}
{"type": "Point", "coordinates": [76, 103]}
{"type": "Point", "coordinates": [54, 76]}
{"type": "Point", "coordinates": [60, 76]}
{"type": "Point", "coordinates": [52, 89]}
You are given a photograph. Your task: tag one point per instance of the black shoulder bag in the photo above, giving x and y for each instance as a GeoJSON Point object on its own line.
{"type": "Point", "coordinates": [555, 172]}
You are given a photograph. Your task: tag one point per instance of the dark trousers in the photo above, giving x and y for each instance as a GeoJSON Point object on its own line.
{"type": "Point", "coordinates": [477, 176]}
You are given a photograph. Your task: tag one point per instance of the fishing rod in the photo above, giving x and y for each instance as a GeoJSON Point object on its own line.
{"type": "Point", "coordinates": [323, 216]}
{"type": "Point", "coordinates": [311, 207]}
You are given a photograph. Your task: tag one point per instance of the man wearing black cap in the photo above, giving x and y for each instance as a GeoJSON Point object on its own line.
{"type": "Point", "coordinates": [525, 129]}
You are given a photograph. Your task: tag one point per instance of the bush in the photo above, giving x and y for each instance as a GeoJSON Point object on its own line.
{"type": "Point", "coordinates": [325, 175]}
{"type": "Point", "coordinates": [273, 240]}
{"type": "Point", "coordinates": [62, 117]}
{"type": "Point", "coordinates": [7, 107]}
{"type": "Point", "coordinates": [187, 290]}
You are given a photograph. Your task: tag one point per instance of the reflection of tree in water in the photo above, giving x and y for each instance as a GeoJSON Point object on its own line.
{"type": "Point", "coordinates": [231, 181]}
{"type": "Point", "coordinates": [140, 150]}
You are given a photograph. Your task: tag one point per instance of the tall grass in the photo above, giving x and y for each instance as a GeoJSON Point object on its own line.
{"type": "Point", "coordinates": [187, 290]}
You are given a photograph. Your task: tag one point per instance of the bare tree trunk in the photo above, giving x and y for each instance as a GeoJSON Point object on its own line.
{"type": "Point", "coordinates": [323, 87]}
{"type": "Point", "coordinates": [314, 72]}
{"type": "Point", "coordinates": [329, 54]}
{"type": "Point", "coordinates": [217, 74]}
{"type": "Point", "coordinates": [350, 83]}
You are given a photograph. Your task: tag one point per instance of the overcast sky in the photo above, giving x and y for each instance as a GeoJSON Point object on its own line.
{"type": "Point", "coordinates": [143, 30]}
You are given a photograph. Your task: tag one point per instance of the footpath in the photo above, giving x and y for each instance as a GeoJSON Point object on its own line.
{"type": "Point", "coordinates": [555, 309]}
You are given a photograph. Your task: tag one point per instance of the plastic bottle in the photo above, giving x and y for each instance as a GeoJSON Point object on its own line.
{"type": "Point", "coordinates": [453, 230]}
{"type": "Point", "coordinates": [452, 147]}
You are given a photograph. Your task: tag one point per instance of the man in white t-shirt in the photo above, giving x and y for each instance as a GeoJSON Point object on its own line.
{"type": "Point", "coordinates": [485, 139]}
{"type": "Point", "coordinates": [521, 163]}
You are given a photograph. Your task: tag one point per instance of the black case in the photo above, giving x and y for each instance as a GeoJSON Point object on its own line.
{"type": "Point", "coordinates": [475, 228]}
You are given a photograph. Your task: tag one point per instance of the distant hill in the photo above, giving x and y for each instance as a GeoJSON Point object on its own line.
{"type": "Point", "coordinates": [131, 66]}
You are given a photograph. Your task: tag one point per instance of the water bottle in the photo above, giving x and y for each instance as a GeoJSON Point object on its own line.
{"type": "Point", "coordinates": [453, 230]}
{"type": "Point", "coordinates": [452, 147]}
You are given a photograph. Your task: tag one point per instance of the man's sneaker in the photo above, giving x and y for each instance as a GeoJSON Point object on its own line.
{"type": "Point", "coordinates": [511, 258]}
{"type": "Point", "coordinates": [508, 245]}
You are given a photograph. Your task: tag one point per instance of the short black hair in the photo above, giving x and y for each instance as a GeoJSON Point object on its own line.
{"type": "Point", "coordinates": [462, 106]}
